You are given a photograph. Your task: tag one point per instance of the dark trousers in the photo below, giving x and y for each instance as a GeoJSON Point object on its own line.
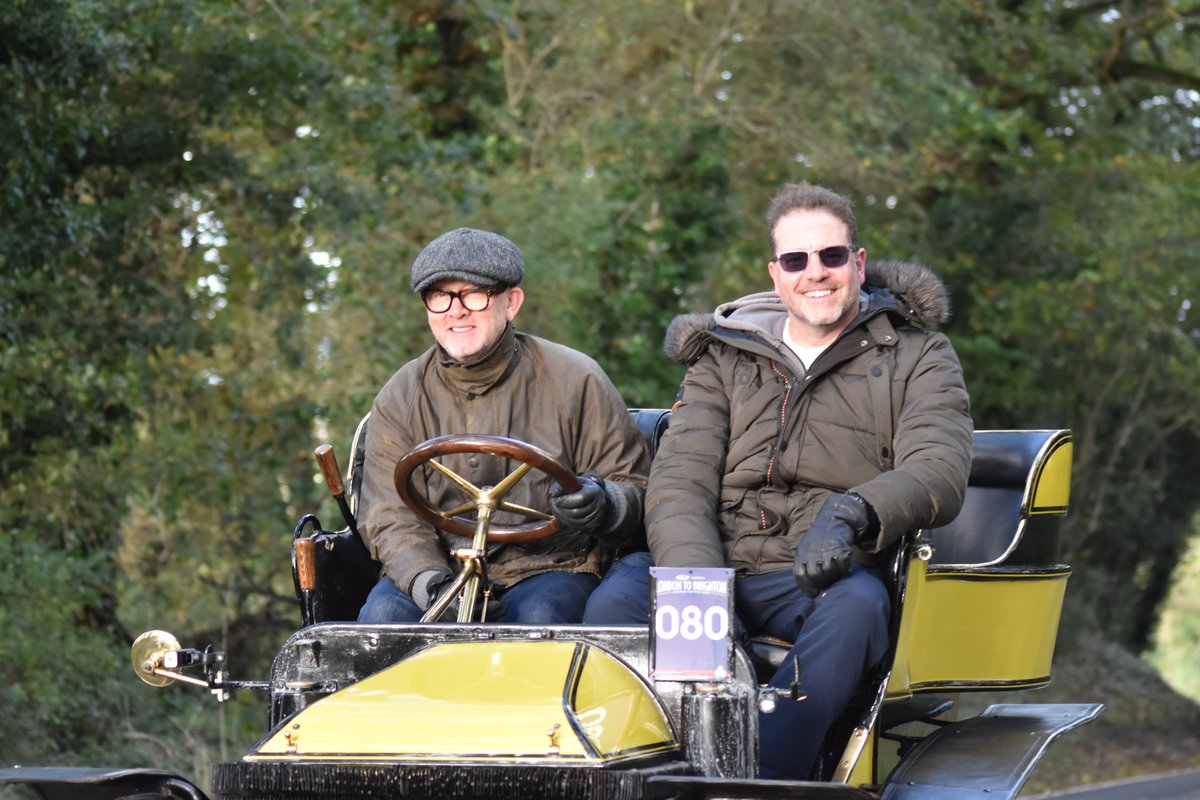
{"type": "Point", "coordinates": [550, 598]}
{"type": "Point", "coordinates": [838, 635]}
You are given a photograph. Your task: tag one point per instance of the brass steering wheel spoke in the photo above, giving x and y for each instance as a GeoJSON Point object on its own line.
{"type": "Point", "coordinates": [518, 509]}
{"type": "Point", "coordinates": [463, 508]}
{"type": "Point", "coordinates": [473, 492]}
{"type": "Point", "coordinates": [502, 488]}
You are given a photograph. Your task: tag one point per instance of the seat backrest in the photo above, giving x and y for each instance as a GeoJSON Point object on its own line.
{"type": "Point", "coordinates": [1018, 489]}
{"type": "Point", "coordinates": [354, 470]}
{"type": "Point", "coordinates": [652, 422]}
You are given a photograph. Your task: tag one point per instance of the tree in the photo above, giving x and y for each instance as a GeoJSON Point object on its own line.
{"type": "Point", "coordinates": [1071, 236]}
{"type": "Point", "coordinates": [155, 277]}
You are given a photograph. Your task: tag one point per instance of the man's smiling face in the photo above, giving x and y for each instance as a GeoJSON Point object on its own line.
{"type": "Point", "coordinates": [465, 335]}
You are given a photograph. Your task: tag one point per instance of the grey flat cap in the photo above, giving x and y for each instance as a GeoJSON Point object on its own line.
{"type": "Point", "coordinates": [481, 257]}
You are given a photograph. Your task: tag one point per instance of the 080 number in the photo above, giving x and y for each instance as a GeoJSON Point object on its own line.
{"type": "Point", "coordinates": [691, 623]}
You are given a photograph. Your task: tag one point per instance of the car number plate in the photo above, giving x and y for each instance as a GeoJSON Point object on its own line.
{"type": "Point", "coordinates": [693, 624]}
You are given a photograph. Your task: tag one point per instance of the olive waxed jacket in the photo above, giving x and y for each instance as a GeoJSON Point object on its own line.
{"type": "Point", "coordinates": [756, 443]}
{"type": "Point", "coordinates": [529, 389]}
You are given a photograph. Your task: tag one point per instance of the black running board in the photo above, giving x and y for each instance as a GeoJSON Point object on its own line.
{"type": "Point", "coordinates": [988, 757]}
{"type": "Point", "coordinates": [90, 783]}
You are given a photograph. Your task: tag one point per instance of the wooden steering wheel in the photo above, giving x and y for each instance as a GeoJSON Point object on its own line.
{"type": "Point", "coordinates": [486, 499]}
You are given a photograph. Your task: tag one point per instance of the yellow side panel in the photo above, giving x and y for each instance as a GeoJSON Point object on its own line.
{"type": "Point", "coordinates": [482, 701]}
{"type": "Point", "coordinates": [1052, 483]}
{"type": "Point", "coordinates": [984, 628]}
{"type": "Point", "coordinates": [615, 711]}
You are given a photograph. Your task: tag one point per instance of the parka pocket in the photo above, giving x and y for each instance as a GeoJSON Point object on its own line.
{"type": "Point", "coordinates": [772, 512]}
{"type": "Point", "coordinates": [743, 514]}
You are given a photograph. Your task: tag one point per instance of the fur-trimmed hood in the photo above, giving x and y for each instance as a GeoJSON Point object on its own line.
{"type": "Point", "coordinates": [909, 290]}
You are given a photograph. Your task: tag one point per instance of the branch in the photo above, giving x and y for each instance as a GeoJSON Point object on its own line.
{"type": "Point", "coordinates": [1115, 64]}
{"type": "Point", "coordinates": [711, 59]}
{"type": "Point", "coordinates": [1109, 468]}
{"type": "Point", "coordinates": [519, 67]}
{"type": "Point", "coordinates": [1116, 454]}
{"type": "Point", "coordinates": [278, 11]}
{"type": "Point", "coordinates": [1099, 402]}
{"type": "Point", "coordinates": [1156, 72]}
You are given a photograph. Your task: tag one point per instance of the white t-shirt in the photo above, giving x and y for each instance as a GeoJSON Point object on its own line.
{"type": "Point", "coordinates": [807, 355]}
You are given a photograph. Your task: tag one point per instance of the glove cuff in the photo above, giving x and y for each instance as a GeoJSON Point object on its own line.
{"type": "Point", "coordinates": [608, 501]}
{"type": "Point", "coordinates": [869, 528]}
{"type": "Point", "coordinates": [426, 586]}
{"type": "Point", "coordinates": [623, 519]}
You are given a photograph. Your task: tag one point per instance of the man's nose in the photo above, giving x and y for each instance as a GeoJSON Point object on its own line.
{"type": "Point", "coordinates": [815, 270]}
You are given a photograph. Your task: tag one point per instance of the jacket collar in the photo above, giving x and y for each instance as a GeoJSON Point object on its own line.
{"type": "Point", "coordinates": [909, 291]}
{"type": "Point", "coordinates": [486, 374]}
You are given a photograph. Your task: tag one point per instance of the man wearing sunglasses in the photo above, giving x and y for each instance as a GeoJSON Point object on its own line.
{"type": "Point", "coordinates": [482, 376]}
{"type": "Point", "coordinates": [816, 424]}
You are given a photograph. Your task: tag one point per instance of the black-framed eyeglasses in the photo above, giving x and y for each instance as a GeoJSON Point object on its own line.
{"type": "Point", "coordinates": [439, 300]}
{"type": "Point", "coordinates": [795, 261]}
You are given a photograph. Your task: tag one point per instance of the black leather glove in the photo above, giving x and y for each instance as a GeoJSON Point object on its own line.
{"type": "Point", "coordinates": [585, 510]}
{"type": "Point", "coordinates": [826, 551]}
{"type": "Point", "coordinates": [428, 586]}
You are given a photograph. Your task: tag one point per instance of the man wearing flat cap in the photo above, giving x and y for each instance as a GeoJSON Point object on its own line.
{"type": "Point", "coordinates": [482, 376]}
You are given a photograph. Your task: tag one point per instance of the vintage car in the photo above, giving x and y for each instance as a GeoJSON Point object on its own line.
{"type": "Point", "coordinates": [473, 709]}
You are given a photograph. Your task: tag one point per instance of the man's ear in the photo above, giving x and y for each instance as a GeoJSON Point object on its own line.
{"type": "Point", "coordinates": [516, 296]}
{"type": "Point", "coordinates": [773, 271]}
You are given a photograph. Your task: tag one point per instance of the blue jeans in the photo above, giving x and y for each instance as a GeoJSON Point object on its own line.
{"type": "Point", "coordinates": [838, 635]}
{"type": "Point", "coordinates": [623, 597]}
{"type": "Point", "coordinates": [551, 598]}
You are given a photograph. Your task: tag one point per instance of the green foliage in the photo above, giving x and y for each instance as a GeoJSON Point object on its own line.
{"type": "Point", "coordinates": [52, 591]}
{"type": "Point", "coordinates": [1176, 651]}
{"type": "Point", "coordinates": [127, 306]}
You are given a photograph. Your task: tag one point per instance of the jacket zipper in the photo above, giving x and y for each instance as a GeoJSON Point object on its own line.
{"type": "Point", "coordinates": [783, 412]}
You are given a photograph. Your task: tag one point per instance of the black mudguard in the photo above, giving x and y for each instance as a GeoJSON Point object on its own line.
{"type": "Point", "coordinates": [988, 757]}
{"type": "Point", "coordinates": [89, 783]}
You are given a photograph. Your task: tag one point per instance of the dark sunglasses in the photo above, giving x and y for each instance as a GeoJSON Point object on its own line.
{"type": "Point", "coordinates": [836, 256]}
